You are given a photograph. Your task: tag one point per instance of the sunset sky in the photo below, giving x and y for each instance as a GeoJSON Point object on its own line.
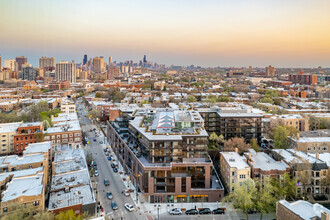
{"type": "Point", "coordinates": [282, 33]}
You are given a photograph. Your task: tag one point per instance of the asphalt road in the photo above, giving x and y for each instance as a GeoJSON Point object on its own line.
{"type": "Point", "coordinates": [106, 172]}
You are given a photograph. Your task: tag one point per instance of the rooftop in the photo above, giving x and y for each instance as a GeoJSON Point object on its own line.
{"type": "Point", "coordinates": [265, 162]}
{"type": "Point", "coordinates": [23, 186]}
{"type": "Point", "coordinates": [41, 147]}
{"type": "Point", "coordinates": [9, 127]}
{"type": "Point", "coordinates": [15, 160]}
{"type": "Point", "coordinates": [305, 209]}
{"type": "Point", "coordinates": [75, 178]}
{"type": "Point", "coordinates": [30, 124]}
{"type": "Point", "coordinates": [235, 160]}
{"type": "Point", "coordinates": [64, 126]}
{"type": "Point", "coordinates": [65, 117]}
{"type": "Point", "coordinates": [311, 139]}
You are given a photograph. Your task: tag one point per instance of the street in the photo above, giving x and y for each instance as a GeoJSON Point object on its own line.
{"type": "Point", "coordinates": [106, 172]}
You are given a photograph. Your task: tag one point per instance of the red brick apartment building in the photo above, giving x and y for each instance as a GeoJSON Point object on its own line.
{"type": "Point", "coordinates": [27, 134]}
{"type": "Point", "coordinates": [303, 79]}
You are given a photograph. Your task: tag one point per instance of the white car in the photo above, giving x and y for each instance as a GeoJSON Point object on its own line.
{"type": "Point", "coordinates": [129, 207]}
{"type": "Point", "coordinates": [175, 212]}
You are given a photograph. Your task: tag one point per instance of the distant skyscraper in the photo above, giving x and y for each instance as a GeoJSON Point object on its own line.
{"type": "Point", "coordinates": [98, 65]}
{"type": "Point", "coordinates": [66, 71]}
{"type": "Point", "coordinates": [11, 64]}
{"type": "Point", "coordinates": [145, 59]}
{"type": "Point", "coordinates": [85, 59]}
{"type": "Point", "coordinates": [0, 63]}
{"type": "Point", "coordinates": [270, 71]}
{"type": "Point", "coordinates": [20, 61]}
{"type": "Point", "coordinates": [110, 60]}
{"type": "Point", "coordinates": [46, 62]}
{"type": "Point", "coordinates": [28, 72]}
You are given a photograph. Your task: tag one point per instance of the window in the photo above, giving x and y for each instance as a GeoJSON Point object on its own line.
{"type": "Point", "coordinates": [233, 181]}
{"type": "Point", "coordinates": [36, 203]}
{"type": "Point", "coordinates": [233, 173]}
{"type": "Point", "coordinates": [5, 209]}
{"type": "Point", "coordinates": [309, 148]}
{"type": "Point", "coordinates": [242, 176]}
{"type": "Point", "coordinates": [232, 189]}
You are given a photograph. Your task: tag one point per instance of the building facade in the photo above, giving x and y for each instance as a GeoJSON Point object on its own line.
{"type": "Point", "coordinates": [45, 62]}
{"type": "Point", "coordinates": [65, 71]}
{"type": "Point", "coordinates": [27, 133]}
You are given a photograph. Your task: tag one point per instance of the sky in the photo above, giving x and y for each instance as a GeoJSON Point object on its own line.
{"type": "Point", "coordinates": [282, 33]}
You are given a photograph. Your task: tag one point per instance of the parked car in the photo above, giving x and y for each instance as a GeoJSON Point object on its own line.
{"type": "Point", "coordinates": [114, 205]}
{"type": "Point", "coordinates": [219, 211]}
{"type": "Point", "coordinates": [113, 165]}
{"type": "Point", "coordinates": [129, 207]}
{"type": "Point", "coordinates": [115, 170]}
{"type": "Point", "coordinates": [205, 211]}
{"type": "Point", "coordinates": [109, 158]}
{"type": "Point", "coordinates": [191, 212]}
{"type": "Point", "coordinates": [175, 212]}
{"type": "Point", "coordinates": [125, 192]}
{"type": "Point", "coordinates": [96, 173]}
{"type": "Point", "coordinates": [109, 195]}
{"type": "Point", "coordinates": [106, 182]}
{"type": "Point", "coordinates": [101, 142]}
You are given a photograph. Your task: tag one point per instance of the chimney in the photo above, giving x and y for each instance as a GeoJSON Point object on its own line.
{"type": "Point", "coordinates": [236, 149]}
{"type": "Point", "coordinates": [317, 155]}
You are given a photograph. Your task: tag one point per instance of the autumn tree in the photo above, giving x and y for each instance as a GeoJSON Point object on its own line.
{"type": "Point", "coordinates": [236, 142]}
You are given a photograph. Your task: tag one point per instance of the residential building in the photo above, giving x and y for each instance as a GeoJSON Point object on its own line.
{"type": "Point", "coordinates": [45, 62]}
{"type": "Point", "coordinates": [303, 79]}
{"type": "Point", "coordinates": [20, 62]}
{"type": "Point", "coordinates": [68, 107]}
{"type": "Point", "coordinates": [11, 64]}
{"type": "Point", "coordinates": [312, 142]}
{"type": "Point", "coordinates": [29, 73]}
{"type": "Point", "coordinates": [164, 152]}
{"type": "Point", "coordinates": [301, 210]}
{"type": "Point", "coordinates": [71, 185]}
{"type": "Point", "coordinates": [263, 165]}
{"type": "Point", "coordinates": [66, 71]}
{"type": "Point", "coordinates": [7, 132]}
{"type": "Point", "coordinates": [270, 71]}
{"type": "Point", "coordinates": [52, 86]}
{"type": "Point", "coordinates": [27, 133]}
{"type": "Point", "coordinates": [293, 120]}
{"type": "Point", "coordinates": [233, 169]}
{"type": "Point", "coordinates": [98, 65]}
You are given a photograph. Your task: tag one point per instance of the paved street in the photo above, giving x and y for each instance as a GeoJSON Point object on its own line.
{"type": "Point", "coordinates": [106, 172]}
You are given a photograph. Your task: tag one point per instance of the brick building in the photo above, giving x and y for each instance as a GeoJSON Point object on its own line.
{"type": "Point", "coordinates": [27, 133]}
{"type": "Point", "coordinates": [303, 79]}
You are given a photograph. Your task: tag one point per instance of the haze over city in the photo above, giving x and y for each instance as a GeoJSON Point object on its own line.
{"type": "Point", "coordinates": [282, 33]}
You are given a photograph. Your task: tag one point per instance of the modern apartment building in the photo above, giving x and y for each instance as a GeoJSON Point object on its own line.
{"type": "Point", "coordinates": [11, 64]}
{"type": "Point", "coordinates": [46, 62]}
{"type": "Point", "coordinates": [303, 79]}
{"type": "Point", "coordinates": [7, 132]}
{"type": "Point", "coordinates": [20, 62]}
{"type": "Point", "coordinates": [164, 151]}
{"type": "Point", "coordinates": [233, 122]}
{"type": "Point", "coordinates": [29, 72]}
{"type": "Point", "coordinates": [99, 65]}
{"type": "Point", "coordinates": [293, 120]}
{"type": "Point", "coordinates": [65, 71]}
{"type": "Point", "coordinates": [233, 169]}
{"type": "Point", "coordinates": [270, 71]}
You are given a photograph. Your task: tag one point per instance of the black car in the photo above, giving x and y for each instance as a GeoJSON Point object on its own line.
{"type": "Point", "coordinates": [106, 182]}
{"type": "Point", "coordinates": [219, 211]}
{"type": "Point", "coordinates": [115, 170]}
{"type": "Point", "coordinates": [205, 211]}
{"type": "Point", "coordinates": [191, 212]}
{"type": "Point", "coordinates": [113, 166]}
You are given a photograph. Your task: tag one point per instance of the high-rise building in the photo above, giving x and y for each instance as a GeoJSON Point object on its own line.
{"type": "Point", "coordinates": [11, 64]}
{"type": "Point", "coordinates": [46, 62]}
{"type": "Point", "coordinates": [66, 71]}
{"type": "Point", "coordinates": [0, 63]}
{"type": "Point", "coordinates": [20, 61]}
{"type": "Point", "coordinates": [110, 60]}
{"type": "Point", "coordinates": [270, 71]}
{"type": "Point", "coordinates": [145, 59]}
{"type": "Point", "coordinates": [28, 72]}
{"type": "Point", "coordinates": [85, 59]}
{"type": "Point", "coordinates": [98, 65]}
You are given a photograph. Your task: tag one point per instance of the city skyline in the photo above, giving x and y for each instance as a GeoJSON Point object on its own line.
{"type": "Point", "coordinates": [204, 33]}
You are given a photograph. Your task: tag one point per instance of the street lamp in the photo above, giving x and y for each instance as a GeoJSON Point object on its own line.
{"type": "Point", "coordinates": [158, 207]}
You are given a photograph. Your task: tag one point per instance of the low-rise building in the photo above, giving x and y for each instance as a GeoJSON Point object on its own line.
{"type": "Point", "coordinates": [312, 142]}
{"type": "Point", "coordinates": [233, 169]}
{"type": "Point", "coordinates": [27, 133]}
{"type": "Point", "coordinates": [68, 107]}
{"type": "Point", "coordinates": [301, 210]}
{"type": "Point", "coordinates": [7, 133]}
{"type": "Point", "coordinates": [293, 120]}
{"type": "Point", "coordinates": [71, 186]}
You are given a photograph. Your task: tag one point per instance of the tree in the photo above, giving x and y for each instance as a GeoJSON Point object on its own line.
{"type": "Point", "coordinates": [213, 138]}
{"type": "Point", "coordinates": [267, 100]}
{"type": "Point", "coordinates": [164, 89]}
{"type": "Point", "coordinates": [98, 95]}
{"type": "Point", "coordinates": [95, 114]}
{"type": "Point", "coordinates": [26, 212]}
{"type": "Point", "coordinates": [254, 145]}
{"type": "Point", "coordinates": [35, 110]}
{"type": "Point", "coordinates": [285, 187]}
{"type": "Point", "coordinates": [221, 139]}
{"type": "Point", "coordinates": [191, 99]}
{"type": "Point", "coordinates": [281, 139]}
{"type": "Point", "coordinates": [223, 99]}
{"type": "Point", "coordinates": [68, 215]}
{"type": "Point", "coordinates": [242, 198]}
{"type": "Point", "coordinates": [265, 201]}
{"type": "Point", "coordinates": [292, 131]}
{"type": "Point", "coordinates": [236, 142]}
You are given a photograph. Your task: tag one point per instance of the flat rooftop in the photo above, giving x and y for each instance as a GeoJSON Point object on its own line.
{"type": "Point", "coordinates": [77, 195]}
{"type": "Point", "coordinates": [74, 178]}
{"type": "Point", "coordinates": [312, 139]}
{"type": "Point", "coordinates": [9, 127]}
{"type": "Point", "coordinates": [65, 117]}
{"type": "Point", "coordinates": [263, 161]}
{"type": "Point", "coordinates": [41, 147]}
{"type": "Point", "coordinates": [305, 209]}
{"type": "Point", "coordinates": [23, 186]}
{"type": "Point", "coordinates": [287, 156]}
{"type": "Point", "coordinates": [235, 160]}
{"type": "Point", "coordinates": [64, 126]}
{"type": "Point", "coordinates": [15, 160]}
{"type": "Point", "coordinates": [20, 173]}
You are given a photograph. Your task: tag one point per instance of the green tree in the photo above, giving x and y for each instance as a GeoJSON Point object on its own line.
{"type": "Point", "coordinates": [98, 95]}
{"type": "Point", "coordinates": [285, 187]}
{"type": "Point", "coordinates": [223, 99]}
{"type": "Point", "coordinates": [281, 140]}
{"type": "Point", "coordinates": [242, 198]}
{"type": "Point", "coordinates": [164, 89]}
{"type": "Point", "coordinates": [254, 145]}
{"type": "Point", "coordinates": [264, 200]}
{"type": "Point", "coordinates": [213, 138]}
{"type": "Point", "coordinates": [267, 100]}
{"type": "Point", "coordinates": [68, 215]}
{"type": "Point", "coordinates": [191, 99]}
{"type": "Point", "coordinates": [26, 212]}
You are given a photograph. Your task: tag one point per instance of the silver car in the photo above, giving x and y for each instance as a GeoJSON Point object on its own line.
{"type": "Point", "coordinates": [175, 212]}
